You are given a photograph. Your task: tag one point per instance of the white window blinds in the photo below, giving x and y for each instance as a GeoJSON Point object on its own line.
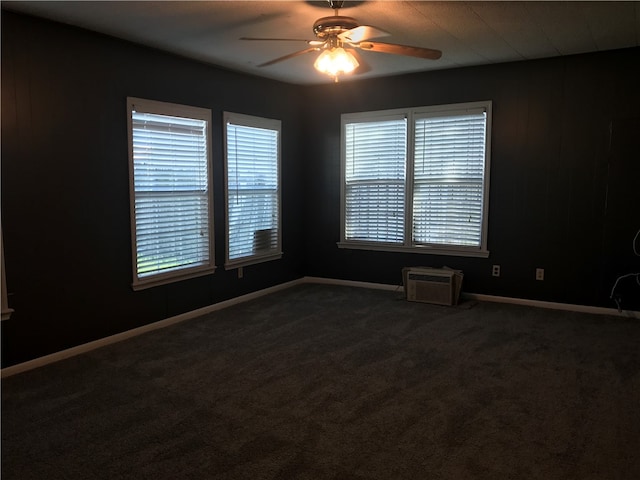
{"type": "Point", "coordinates": [253, 190]}
{"type": "Point", "coordinates": [417, 180]}
{"type": "Point", "coordinates": [374, 180]}
{"type": "Point", "coordinates": [449, 166]}
{"type": "Point", "coordinates": [170, 167]}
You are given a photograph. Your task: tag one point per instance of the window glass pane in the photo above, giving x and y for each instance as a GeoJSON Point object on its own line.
{"type": "Point", "coordinates": [449, 170]}
{"type": "Point", "coordinates": [252, 191]}
{"type": "Point", "coordinates": [170, 177]}
{"type": "Point", "coordinates": [375, 159]}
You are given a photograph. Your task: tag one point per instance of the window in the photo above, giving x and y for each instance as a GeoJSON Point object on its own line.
{"type": "Point", "coordinates": [375, 164]}
{"type": "Point", "coordinates": [171, 198]}
{"type": "Point", "coordinates": [417, 180]}
{"type": "Point", "coordinates": [252, 164]}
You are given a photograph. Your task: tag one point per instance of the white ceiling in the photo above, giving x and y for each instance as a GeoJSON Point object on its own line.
{"type": "Point", "coordinates": [467, 33]}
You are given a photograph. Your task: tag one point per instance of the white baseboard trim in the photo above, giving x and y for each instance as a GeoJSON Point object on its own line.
{"type": "Point", "coordinates": [490, 298]}
{"type": "Point", "coordinates": [553, 305]}
{"type": "Point", "coordinates": [118, 337]}
{"type": "Point", "coordinates": [87, 347]}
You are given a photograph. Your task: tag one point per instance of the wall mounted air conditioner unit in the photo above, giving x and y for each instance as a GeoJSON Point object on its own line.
{"type": "Point", "coordinates": [432, 285]}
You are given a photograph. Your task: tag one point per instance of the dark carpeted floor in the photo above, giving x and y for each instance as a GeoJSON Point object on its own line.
{"type": "Point", "coordinates": [326, 382]}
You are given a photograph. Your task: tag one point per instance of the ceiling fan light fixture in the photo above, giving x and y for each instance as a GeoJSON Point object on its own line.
{"type": "Point", "coordinates": [336, 61]}
{"type": "Point", "coordinates": [337, 31]}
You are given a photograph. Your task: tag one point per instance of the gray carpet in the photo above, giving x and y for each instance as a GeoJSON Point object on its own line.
{"type": "Point", "coordinates": [326, 382]}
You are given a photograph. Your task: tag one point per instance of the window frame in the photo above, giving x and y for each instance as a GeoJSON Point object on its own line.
{"type": "Point", "coordinates": [252, 121]}
{"type": "Point", "coordinates": [175, 110]}
{"type": "Point", "coordinates": [411, 114]}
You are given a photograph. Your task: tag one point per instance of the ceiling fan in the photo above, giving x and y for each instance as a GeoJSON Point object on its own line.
{"type": "Point", "coordinates": [339, 37]}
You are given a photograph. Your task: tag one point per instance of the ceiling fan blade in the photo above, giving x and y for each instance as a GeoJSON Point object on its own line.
{"type": "Point", "coordinates": [396, 49]}
{"type": "Point", "coordinates": [277, 39]}
{"type": "Point", "coordinates": [287, 57]}
{"type": "Point", "coordinates": [363, 32]}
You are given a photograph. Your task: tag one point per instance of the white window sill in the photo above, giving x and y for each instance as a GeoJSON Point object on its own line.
{"type": "Point", "coordinates": [246, 261]}
{"type": "Point", "coordinates": [422, 249]}
{"type": "Point", "coordinates": [156, 281]}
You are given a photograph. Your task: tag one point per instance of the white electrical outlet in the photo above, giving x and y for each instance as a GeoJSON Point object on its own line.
{"type": "Point", "coordinates": [495, 271]}
{"type": "Point", "coordinates": [539, 273]}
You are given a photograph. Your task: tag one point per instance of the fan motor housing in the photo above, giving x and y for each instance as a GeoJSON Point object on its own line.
{"type": "Point", "coordinates": [327, 26]}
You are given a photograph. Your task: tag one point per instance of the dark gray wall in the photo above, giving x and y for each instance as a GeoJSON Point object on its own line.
{"type": "Point", "coordinates": [564, 177]}
{"type": "Point", "coordinates": [65, 190]}
{"type": "Point", "coordinates": [565, 174]}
